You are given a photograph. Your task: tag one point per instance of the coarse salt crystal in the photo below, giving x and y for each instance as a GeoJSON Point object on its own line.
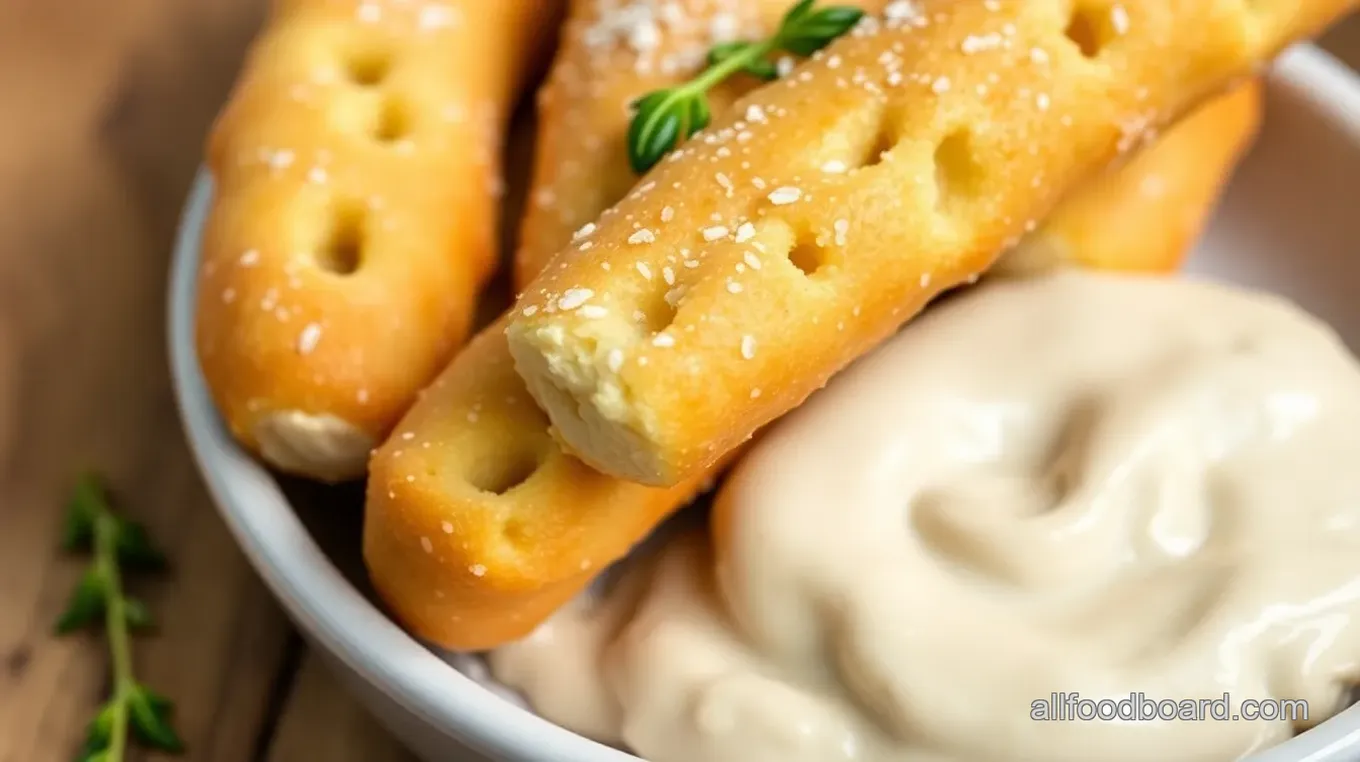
{"type": "Point", "coordinates": [1119, 19]}
{"type": "Point", "coordinates": [644, 36]}
{"type": "Point", "coordinates": [594, 311]}
{"type": "Point", "coordinates": [663, 340]}
{"type": "Point", "coordinates": [446, 526]}
{"type": "Point", "coordinates": [311, 334]}
{"type": "Point", "coordinates": [614, 360]}
{"type": "Point", "coordinates": [723, 28]}
{"type": "Point", "coordinates": [573, 298]}
{"type": "Point", "coordinates": [641, 236]}
{"type": "Point", "coordinates": [751, 260]}
{"type": "Point", "coordinates": [733, 287]}
{"type": "Point", "coordinates": [745, 232]}
{"type": "Point", "coordinates": [748, 346]}
{"type": "Point", "coordinates": [901, 11]}
{"type": "Point", "coordinates": [784, 195]}
{"type": "Point", "coordinates": [426, 544]}
{"type": "Point", "coordinates": [667, 213]}
{"type": "Point", "coordinates": [584, 231]}
{"type": "Point", "coordinates": [715, 232]}
{"type": "Point", "coordinates": [975, 43]}
{"type": "Point", "coordinates": [835, 167]}
{"type": "Point", "coordinates": [436, 17]}
{"type": "Point", "coordinates": [529, 311]}
{"type": "Point", "coordinates": [644, 270]}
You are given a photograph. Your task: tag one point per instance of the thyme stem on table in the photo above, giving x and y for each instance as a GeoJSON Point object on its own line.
{"type": "Point", "coordinates": [115, 545]}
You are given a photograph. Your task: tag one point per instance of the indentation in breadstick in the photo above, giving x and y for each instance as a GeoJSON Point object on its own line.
{"type": "Point", "coordinates": [958, 175]}
{"type": "Point", "coordinates": [342, 251]}
{"type": "Point", "coordinates": [368, 63]}
{"type": "Point", "coordinates": [393, 121]}
{"type": "Point", "coordinates": [1092, 27]}
{"type": "Point", "coordinates": [994, 115]}
{"type": "Point", "coordinates": [356, 172]}
{"type": "Point", "coordinates": [499, 473]}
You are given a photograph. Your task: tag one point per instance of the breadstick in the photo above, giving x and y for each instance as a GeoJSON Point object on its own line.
{"type": "Point", "coordinates": [746, 269]}
{"type": "Point", "coordinates": [1145, 215]}
{"type": "Point", "coordinates": [1141, 216]}
{"type": "Point", "coordinates": [471, 589]}
{"type": "Point", "coordinates": [477, 526]}
{"type": "Point", "coordinates": [357, 176]}
{"type": "Point", "coordinates": [608, 58]}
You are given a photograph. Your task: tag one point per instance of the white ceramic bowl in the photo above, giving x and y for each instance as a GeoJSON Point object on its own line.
{"type": "Point", "coordinates": [1290, 223]}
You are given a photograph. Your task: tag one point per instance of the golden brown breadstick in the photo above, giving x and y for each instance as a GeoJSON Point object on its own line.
{"type": "Point", "coordinates": [607, 58]}
{"type": "Point", "coordinates": [463, 592]}
{"type": "Point", "coordinates": [746, 269]}
{"type": "Point", "coordinates": [477, 525]}
{"type": "Point", "coordinates": [1146, 214]}
{"type": "Point", "coordinates": [1141, 216]}
{"type": "Point", "coordinates": [357, 174]}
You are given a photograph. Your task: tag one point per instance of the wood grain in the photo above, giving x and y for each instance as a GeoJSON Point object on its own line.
{"type": "Point", "coordinates": [321, 722]}
{"type": "Point", "coordinates": [106, 105]}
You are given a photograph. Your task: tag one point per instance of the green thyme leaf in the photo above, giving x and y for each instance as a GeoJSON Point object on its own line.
{"type": "Point", "coordinates": [655, 128]}
{"type": "Point", "coordinates": [664, 118]}
{"type": "Point", "coordinates": [796, 13]}
{"type": "Point", "coordinates": [762, 69]}
{"type": "Point", "coordinates": [149, 714]}
{"type": "Point", "coordinates": [91, 524]}
{"type": "Point", "coordinates": [699, 116]}
{"type": "Point", "coordinates": [93, 755]}
{"type": "Point", "coordinates": [135, 550]}
{"type": "Point", "coordinates": [98, 734]}
{"type": "Point", "coordinates": [85, 605]}
{"type": "Point", "coordinates": [813, 31]}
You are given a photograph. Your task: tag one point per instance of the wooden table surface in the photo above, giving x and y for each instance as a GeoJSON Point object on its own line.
{"type": "Point", "coordinates": [105, 105]}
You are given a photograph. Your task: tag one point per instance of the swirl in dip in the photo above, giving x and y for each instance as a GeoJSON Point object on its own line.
{"type": "Point", "coordinates": [1084, 483]}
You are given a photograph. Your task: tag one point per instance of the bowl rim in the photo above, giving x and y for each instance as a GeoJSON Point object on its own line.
{"type": "Point", "coordinates": [337, 616]}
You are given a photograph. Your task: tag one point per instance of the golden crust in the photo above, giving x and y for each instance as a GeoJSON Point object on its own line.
{"type": "Point", "coordinates": [1145, 215]}
{"type": "Point", "coordinates": [680, 330]}
{"type": "Point", "coordinates": [1141, 216]}
{"type": "Point", "coordinates": [477, 525]}
{"type": "Point", "coordinates": [581, 162]}
{"type": "Point", "coordinates": [357, 176]}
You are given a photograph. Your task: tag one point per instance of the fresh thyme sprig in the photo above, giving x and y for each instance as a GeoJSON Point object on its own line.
{"type": "Point", "coordinates": [116, 544]}
{"type": "Point", "coordinates": [664, 118]}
